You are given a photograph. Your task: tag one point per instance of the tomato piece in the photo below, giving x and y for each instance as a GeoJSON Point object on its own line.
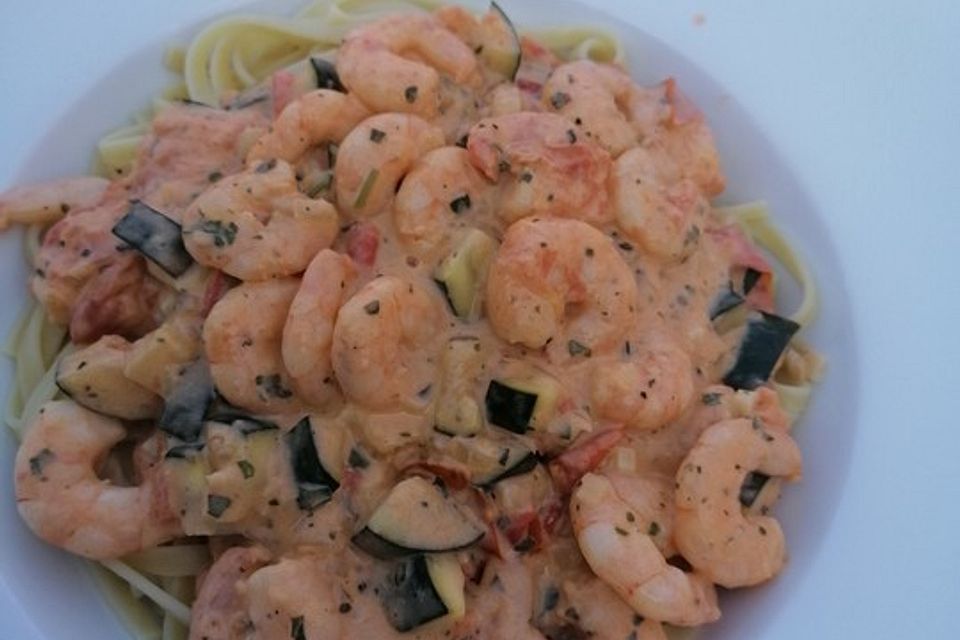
{"type": "Point", "coordinates": [363, 241]}
{"type": "Point", "coordinates": [574, 463]}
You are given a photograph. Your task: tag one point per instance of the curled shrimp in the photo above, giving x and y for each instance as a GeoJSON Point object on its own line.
{"type": "Point", "coordinates": [219, 610]}
{"type": "Point", "coordinates": [385, 344]}
{"type": "Point", "coordinates": [664, 216]}
{"type": "Point", "coordinates": [375, 156]}
{"type": "Point", "coordinates": [441, 187]}
{"type": "Point", "coordinates": [616, 544]}
{"type": "Point", "coordinates": [563, 282]}
{"type": "Point", "coordinates": [645, 393]}
{"type": "Point", "coordinates": [374, 66]}
{"type": "Point", "coordinates": [599, 612]}
{"type": "Point", "coordinates": [711, 530]}
{"type": "Point", "coordinates": [308, 332]}
{"type": "Point", "coordinates": [317, 117]}
{"type": "Point", "coordinates": [256, 225]}
{"type": "Point", "coordinates": [550, 169]}
{"type": "Point", "coordinates": [49, 201]}
{"type": "Point", "coordinates": [242, 339]}
{"type": "Point", "coordinates": [295, 598]}
{"type": "Point", "coordinates": [64, 502]}
{"type": "Point", "coordinates": [600, 100]}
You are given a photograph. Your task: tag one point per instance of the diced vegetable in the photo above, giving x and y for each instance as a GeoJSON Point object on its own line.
{"type": "Point", "coordinates": [94, 377]}
{"type": "Point", "coordinates": [500, 48]}
{"type": "Point", "coordinates": [315, 485]}
{"type": "Point", "coordinates": [187, 402]}
{"type": "Point", "coordinates": [751, 487]}
{"type": "Point", "coordinates": [155, 236]}
{"type": "Point", "coordinates": [463, 272]}
{"type": "Point", "coordinates": [764, 340]}
{"type": "Point", "coordinates": [410, 598]}
{"type": "Point", "coordinates": [448, 580]}
{"type": "Point", "coordinates": [326, 76]}
{"type": "Point", "coordinates": [514, 465]}
{"type": "Point", "coordinates": [153, 358]}
{"type": "Point", "coordinates": [522, 404]}
{"type": "Point", "coordinates": [457, 411]}
{"type": "Point", "coordinates": [415, 518]}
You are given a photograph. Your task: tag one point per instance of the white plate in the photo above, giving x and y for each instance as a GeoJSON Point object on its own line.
{"type": "Point", "coordinates": [843, 117]}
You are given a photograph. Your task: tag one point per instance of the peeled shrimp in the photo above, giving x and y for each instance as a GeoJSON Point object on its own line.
{"type": "Point", "coordinates": [375, 156]}
{"type": "Point", "coordinates": [317, 117]}
{"type": "Point", "coordinates": [645, 393]}
{"type": "Point", "coordinates": [598, 99]}
{"type": "Point", "coordinates": [242, 340]}
{"type": "Point", "coordinates": [49, 201]}
{"type": "Point", "coordinates": [617, 546]}
{"type": "Point", "coordinates": [550, 169]}
{"type": "Point", "coordinates": [386, 345]}
{"type": "Point", "coordinates": [664, 214]}
{"type": "Point", "coordinates": [308, 333]}
{"type": "Point", "coordinates": [256, 225]}
{"type": "Point", "coordinates": [373, 64]}
{"type": "Point", "coordinates": [65, 503]}
{"type": "Point", "coordinates": [295, 594]}
{"type": "Point", "coordinates": [441, 187]}
{"type": "Point", "coordinates": [219, 610]}
{"type": "Point", "coordinates": [560, 282]}
{"type": "Point", "coordinates": [712, 532]}
{"type": "Point", "coordinates": [601, 613]}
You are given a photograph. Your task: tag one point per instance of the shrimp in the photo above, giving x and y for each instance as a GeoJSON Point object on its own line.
{"type": "Point", "coordinates": [256, 225]}
{"type": "Point", "coordinates": [219, 611]}
{"type": "Point", "coordinates": [665, 218]}
{"type": "Point", "coordinates": [375, 156]}
{"type": "Point", "coordinates": [731, 548]}
{"type": "Point", "coordinates": [49, 201]}
{"type": "Point", "coordinates": [553, 171]}
{"type": "Point", "coordinates": [317, 117]}
{"type": "Point", "coordinates": [617, 546]}
{"type": "Point", "coordinates": [372, 64]}
{"type": "Point", "coordinates": [645, 393]}
{"type": "Point", "coordinates": [308, 332]}
{"type": "Point", "coordinates": [386, 343]}
{"type": "Point", "coordinates": [73, 251]}
{"type": "Point", "coordinates": [598, 99]}
{"type": "Point", "coordinates": [561, 282]}
{"type": "Point", "coordinates": [294, 598]}
{"type": "Point", "coordinates": [597, 611]}
{"type": "Point", "coordinates": [242, 339]}
{"type": "Point", "coordinates": [441, 186]}
{"type": "Point", "coordinates": [64, 502]}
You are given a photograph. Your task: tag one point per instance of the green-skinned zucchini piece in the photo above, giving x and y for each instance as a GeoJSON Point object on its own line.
{"type": "Point", "coordinates": [155, 236]}
{"type": "Point", "coordinates": [462, 273]}
{"type": "Point", "coordinates": [416, 517]}
{"type": "Point", "coordinates": [764, 340]}
{"type": "Point", "coordinates": [500, 42]}
{"type": "Point", "coordinates": [315, 485]}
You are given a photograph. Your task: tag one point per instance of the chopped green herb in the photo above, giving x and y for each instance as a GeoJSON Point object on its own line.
{"type": "Point", "coordinates": [377, 136]}
{"type": "Point", "coordinates": [653, 529]}
{"type": "Point", "coordinates": [410, 93]}
{"type": "Point", "coordinates": [710, 399]}
{"type": "Point", "coordinates": [372, 308]}
{"type": "Point", "coordinates": [39, 461]}
{"type": "Point", "coordinates": [272, 385]}
{"type": "Point", "coordinates": [461, 204]}
{"type": "Point", "coordinates": [246, 469]}
{"type": "Point", "coordinates": [622, 532]}
{"type": "Point", "coordinates": [577, 349]}
{"type": "Point", "coordinates": [216, 505]}
{"type": "Point", "coordinates": [559, 100]}
{"type": "Point", "coordinates": [357, 460]}
{"type": "Point", "coordinates": [214, 176]}
{"type": "Point", "coordinates": [223, 235]}
{"type": "Point", "coordinates": [266, 166]}
{"type": "Point", "coordinates": [571, 136]}
{"type": "Point", "coordinates": [365, 189]}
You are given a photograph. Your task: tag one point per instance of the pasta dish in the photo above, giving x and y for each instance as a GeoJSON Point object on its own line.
{"type": "Point", "coordinates": [388, 320]}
